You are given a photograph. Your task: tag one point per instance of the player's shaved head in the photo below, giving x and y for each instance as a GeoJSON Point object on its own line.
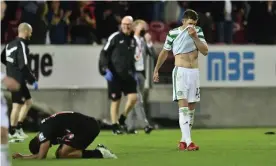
{"type": "Point", "coordinates": [25, 30]}
{"type": "Point", "coordinates": [24, 27]}
{"type": "Point", "coordinates": [126, 24]}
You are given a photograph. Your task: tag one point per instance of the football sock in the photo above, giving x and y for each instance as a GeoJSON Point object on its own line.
{"type": "Point", "coordinates": [92, 154]}
{"type": "Point", "coordinates": [19, 125]}
{"type": "Point", "coordinates": [192, 117]}
{"type": "Point", "coordinates": [12, 130]}
{"type": "Point", "coordinates": [184, 121]}
{"type": "Point", "coordinates": [122, 119]}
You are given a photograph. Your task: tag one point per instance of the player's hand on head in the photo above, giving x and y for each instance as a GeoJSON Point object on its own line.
{"type": "Point", "coordinates": [155, 76]}
{"type": "Point", "coordinates": [17, 156]}
{"type": "Point", "coordinates": [192, 32]}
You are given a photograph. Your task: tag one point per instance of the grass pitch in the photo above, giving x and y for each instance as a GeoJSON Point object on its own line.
{"type": "Point", "coordinates": [226, 147]}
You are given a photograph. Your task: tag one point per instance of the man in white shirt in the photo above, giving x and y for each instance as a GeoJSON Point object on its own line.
{"type": "Point", "coordinates": [144, 47]}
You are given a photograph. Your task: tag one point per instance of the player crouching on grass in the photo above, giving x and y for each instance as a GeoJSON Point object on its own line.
{"type": "Point", "coordinates": [73, 132]}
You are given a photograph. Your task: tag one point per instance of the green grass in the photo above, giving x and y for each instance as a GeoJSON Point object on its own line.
{"type": "Point", "coordinates": [223, 147]}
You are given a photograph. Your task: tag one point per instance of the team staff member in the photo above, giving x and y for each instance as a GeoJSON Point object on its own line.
{"type": "Point", "coordinates": [144, 47]}
{"type": "Point", "coordinates": [74, 132]}
{"type": "Point", "coordinates": [15, 57]}
{"type": "Point", "coordinates": [117, 66]}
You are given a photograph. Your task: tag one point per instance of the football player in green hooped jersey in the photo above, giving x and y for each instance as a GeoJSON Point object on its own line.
{"type": "Point", "coordinates": [185, 42]}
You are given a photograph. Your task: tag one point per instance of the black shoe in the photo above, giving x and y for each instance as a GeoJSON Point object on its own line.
{"type": "Point", "coordinates": [132, 131]}
{"type": "Point", "coordinates": [116, 129]}
{"type": "Point", "coordinates": [148, 129]}
{"type": "Point", "coordinates": [122, 120]}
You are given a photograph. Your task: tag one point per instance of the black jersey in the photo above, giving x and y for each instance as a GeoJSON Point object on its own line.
{"type": "Point", "coordinates": [63, 125]}
{"type": "Point", "coordinates": [15, 56]}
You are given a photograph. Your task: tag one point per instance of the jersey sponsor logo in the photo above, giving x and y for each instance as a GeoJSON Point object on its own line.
{"type": "Point", "coordinates": [41, 137]}
{"type": "Point", "coordinates": [231, 66]}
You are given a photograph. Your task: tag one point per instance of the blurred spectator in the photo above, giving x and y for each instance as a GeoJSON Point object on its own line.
{"type": "Point", "coordinates": [11, 32]}
{"type": "Point", "coordinates": [239, 17]}
{"type": "Point", "coordinates": [108, 18]}
{"type": "Point", "coordinates": [204, 10]}
{"type": "Point", "coordinates": [40, 25]}
{"type": "Point", "coordinates": [120, 10]}
{"type": "Point", "coordinates": [183, 6]}
{"type": "Point", "coordinates": [84, 25]}
{"type": "Point", "coordinates": [3, 9]}
{"type": "Point", "coordinates": [222, 15]}
{"type": "Point", "coordinates": [58, 23]}
{"type": "Point", "coordinates": [261, 22]}
{"type": "Point", "coordinates": [85, 22]}
{"type": "Point", "coordinates": [158, 10]}
{"type": "Point", "coordinates": [29, 11]}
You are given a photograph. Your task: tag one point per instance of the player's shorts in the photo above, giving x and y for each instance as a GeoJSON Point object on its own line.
{"type": "Point", "coordinates": [83, 137]}
{"type": "Point", "coordinates": [118, 86]}
{"type": "Point", "coordinates": [22, 95]}
{"type": "Point", "coordinates": [186, 84]}
{"type": "Point", "coordinates": [4, 115]}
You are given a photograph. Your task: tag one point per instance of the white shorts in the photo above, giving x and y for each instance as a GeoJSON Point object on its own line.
{"type": "Point", "coordinates": [186, 84]}
{"type": "Point", "coordinates": [4, 115]}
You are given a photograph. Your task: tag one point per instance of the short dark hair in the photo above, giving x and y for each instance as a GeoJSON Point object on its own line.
{"type": "Point", "coordinates": [190, 14]}
{"type": "Point", "coordinates": [34, 145]}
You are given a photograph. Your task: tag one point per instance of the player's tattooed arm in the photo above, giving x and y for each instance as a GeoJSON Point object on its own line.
{"type": "Point", "coordinates": [43, 150]}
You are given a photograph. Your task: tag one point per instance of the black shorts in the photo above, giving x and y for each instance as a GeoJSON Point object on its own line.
{"type": "Point", "coordinates": [83, 137]}
{"type": "Point", "coordinates": [22, 95]}
{"type": "Point", "coordinates": [118, 86]}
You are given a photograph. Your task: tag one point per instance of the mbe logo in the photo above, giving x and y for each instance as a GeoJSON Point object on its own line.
{"type": "Point", "coordinates": [230, 66]}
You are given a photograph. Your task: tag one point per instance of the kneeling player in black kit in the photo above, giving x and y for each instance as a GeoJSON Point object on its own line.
{"type": "Point", "coordinates": [73, 132]}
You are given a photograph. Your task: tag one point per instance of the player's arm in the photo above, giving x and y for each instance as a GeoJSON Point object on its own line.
{"type": "Point", "coordinates": [23, 63]}
{"type": "Point", "coordinates": [200, 41]}
{"type": "Point", "coordinates": [106, 52]}
{"type": "Point", "coordinates": [43, 150]}
{"type": "Point", "coordinates": [164, 53]}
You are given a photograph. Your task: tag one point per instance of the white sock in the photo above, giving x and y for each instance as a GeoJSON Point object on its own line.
{"type": "Point", "coordinates": [192, 117]}
{"type": "Point", "coordinates": [184, 123]}
{"type": "Point", "coordinates": [4, 155]}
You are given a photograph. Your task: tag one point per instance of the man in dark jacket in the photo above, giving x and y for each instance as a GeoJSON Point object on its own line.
{"type": "Point", "coordinates": [15, 57]}
{"type": "Point", "coordinates": [117, 66]}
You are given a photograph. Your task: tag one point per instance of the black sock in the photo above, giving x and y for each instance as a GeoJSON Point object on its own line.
{"type": "Point", "coordinates": [19, 125]}
{"type": "Point", "coordinates": [122, 119]}
{"type": "Point", "coordinates": [12, 130]}
{"type": "Point", "coordinates": [92, 154]}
